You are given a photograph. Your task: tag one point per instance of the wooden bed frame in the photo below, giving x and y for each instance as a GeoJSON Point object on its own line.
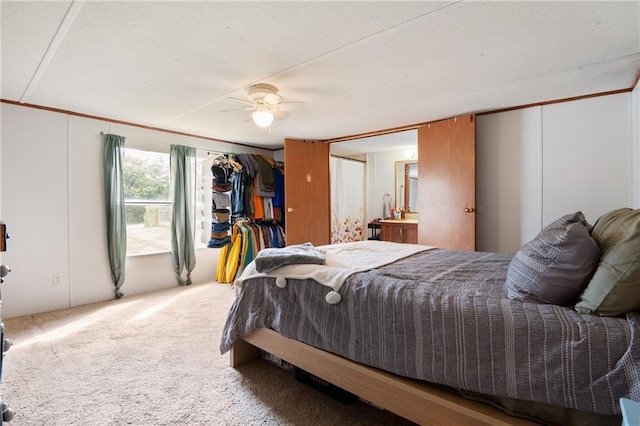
{"type": "Point", "coordinates": [414, 400]}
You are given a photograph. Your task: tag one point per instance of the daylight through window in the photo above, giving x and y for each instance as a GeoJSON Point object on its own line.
{"type": "Point", "coordinates": [147, 201]}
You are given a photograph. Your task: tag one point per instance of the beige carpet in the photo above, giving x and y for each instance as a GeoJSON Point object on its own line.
{"type": "Point", "coordinates": [153, 359]}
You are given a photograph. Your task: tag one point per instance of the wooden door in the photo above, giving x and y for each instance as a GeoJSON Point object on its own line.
{"type": "Point", "coordinates": [446, 169]}
{"type": "Point", "coordinates": [307, 192]}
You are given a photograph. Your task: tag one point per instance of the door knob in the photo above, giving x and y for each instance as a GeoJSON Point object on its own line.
{"type": "Point", "coordinates": [289, 209]}
{"type": "Point", "coordinates": [469, 210]}
{"type": "Point", "coordinates": [4, 271]}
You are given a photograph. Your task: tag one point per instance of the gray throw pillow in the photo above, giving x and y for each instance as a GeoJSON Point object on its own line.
{"type": "Point", "coordinates": [615, 286]}
{"type": "Point", "coordinates": [556, 265]}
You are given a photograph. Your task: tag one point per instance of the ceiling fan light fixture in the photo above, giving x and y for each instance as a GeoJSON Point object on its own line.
{"type": "Point", "coordinates": [262, 118]}
{"type": "Point", "coordinates": [265, 102]}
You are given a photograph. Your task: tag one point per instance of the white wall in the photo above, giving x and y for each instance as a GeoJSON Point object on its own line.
{"type": "Point", "coordinates": [536, 164]}
{"type": "Point", "coordinates": [586, 156]}
{"type": "Point", "coordinates": [52, 202]}
{"type": "Point", "coordinates": [380, 179]}
{"type": "Point", "coordinates": [35, 209]}
{"type": "Point", "coordinates": [508, 179]}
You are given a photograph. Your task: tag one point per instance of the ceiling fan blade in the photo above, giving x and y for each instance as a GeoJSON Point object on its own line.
{"type": "Point", "coordinates": [238, 109]}
{"type": "Point", "coordinates": [280, 115]}
{"type": "Point", "coordinates": [241, 100]}
{"type": "Point", "coordinates": [291, 106]}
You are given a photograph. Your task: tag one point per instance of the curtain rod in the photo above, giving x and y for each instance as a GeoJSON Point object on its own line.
{"type": "Point", "coordinates": [163, 144]}
{"type": "Point", "coordinates": [347, 158]}
{"type": "Point", "coordinates": [209, 152]}
{"type": "Point", "coordinates": [138, 139]}
{"type": "Point", "coordinates": [132, 138]}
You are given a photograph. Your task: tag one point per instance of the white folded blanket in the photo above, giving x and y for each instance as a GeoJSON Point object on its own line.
{"type": "Point", "coordinates": [342, 261]}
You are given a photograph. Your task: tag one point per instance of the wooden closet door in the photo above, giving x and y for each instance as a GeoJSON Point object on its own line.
{"type": "Point", "coordinates": [447, 170]}
{"type": "Point", "coordinates": [307, 192]}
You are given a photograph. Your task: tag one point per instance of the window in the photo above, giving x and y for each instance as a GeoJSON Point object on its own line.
{"type": "Point", "coordinates": [148, 204]}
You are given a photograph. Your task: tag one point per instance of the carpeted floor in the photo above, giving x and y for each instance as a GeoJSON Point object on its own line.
{"type": "Point", "coordinates": [153, 359]}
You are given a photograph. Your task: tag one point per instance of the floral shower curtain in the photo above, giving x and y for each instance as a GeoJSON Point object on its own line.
{"type": "Point", "coordinates": [347, 200]}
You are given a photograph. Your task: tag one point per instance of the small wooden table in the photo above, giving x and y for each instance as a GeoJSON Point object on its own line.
{"type": "Point", "coordinates": [374, 230]}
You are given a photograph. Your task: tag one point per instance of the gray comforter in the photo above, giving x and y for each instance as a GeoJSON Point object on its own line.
{"type": "Point", "coordinates": [443, 316]}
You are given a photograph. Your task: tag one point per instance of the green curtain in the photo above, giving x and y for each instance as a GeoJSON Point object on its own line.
{"type": "Point", "coordinates": [183, 194]}
{"type": "Point", "coordinates": [114, 203]}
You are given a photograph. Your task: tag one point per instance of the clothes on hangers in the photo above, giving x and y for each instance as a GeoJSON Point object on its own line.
{"type": "Point", "coordinates": [258, 191]}
{"type": "Point", "coordinates": [238, 186]}
{"type": "Point", "coordinates": [248, 210]}
{"type": "Point", "coordinates": [278, 177]}
{"type": "Point", "coordinates": [247, 239]}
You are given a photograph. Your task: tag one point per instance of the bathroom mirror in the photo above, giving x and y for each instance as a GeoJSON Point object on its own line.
{"type": "Point", "coordinates": [381, 153]}
{"type": "Point", "coordinates": [407, 185]}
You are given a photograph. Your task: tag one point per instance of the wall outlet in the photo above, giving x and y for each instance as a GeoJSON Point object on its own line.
{"type": "Point", "coordinates": [57, 280]}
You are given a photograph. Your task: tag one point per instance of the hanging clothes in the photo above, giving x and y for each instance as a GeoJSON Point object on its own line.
{"type": "Point", "coordinates": [258, 191]}
{"type": "Point", "coordinates": [266, 185]}
{"type": "Point", "coordinates": [247, 239]}
{"type": "Point", "coordinates": [278, 177]}
{"type": "Point", "coordinates": [233, 257]}
{"type": "Point", "coordinates": [221, 275]}
{"type": "Point", "coordinates": [248, 216]}
{"type": "Point", "coordinates": [257, 201]}
{"type": "Point", "coordinates": [238, 184]}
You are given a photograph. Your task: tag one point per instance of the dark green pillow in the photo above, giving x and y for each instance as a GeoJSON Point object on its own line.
{"type": "Point", "coordinates": [615, 286]}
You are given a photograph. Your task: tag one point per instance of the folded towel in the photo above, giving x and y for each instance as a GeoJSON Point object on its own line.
{"type": "Point", "coordinates": [273, 258]}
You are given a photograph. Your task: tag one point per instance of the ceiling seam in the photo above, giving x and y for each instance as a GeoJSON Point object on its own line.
{"type": "Point", "coordinates": [361, 39]}
{"type": "Point", "coordinates": [310, 60]}
{"type": "Point", "coordinates": [61, 32]}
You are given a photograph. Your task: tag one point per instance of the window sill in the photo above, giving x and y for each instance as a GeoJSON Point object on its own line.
{"type": "Point", "coordinates": [154, 253]}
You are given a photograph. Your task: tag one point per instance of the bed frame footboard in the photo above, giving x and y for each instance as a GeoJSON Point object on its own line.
{"type": "Point", "coordinates": [417, 401]}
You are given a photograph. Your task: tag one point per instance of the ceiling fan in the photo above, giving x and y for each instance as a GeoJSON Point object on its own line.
{"type": "Point", "coordinates": [265, 102]}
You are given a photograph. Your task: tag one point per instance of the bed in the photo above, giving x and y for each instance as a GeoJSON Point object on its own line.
{"type": "Point", "coordinates": [440, 337]}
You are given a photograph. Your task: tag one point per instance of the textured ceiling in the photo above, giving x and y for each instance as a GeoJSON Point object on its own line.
{"type": "Point", "coordinates": [358, 66]}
